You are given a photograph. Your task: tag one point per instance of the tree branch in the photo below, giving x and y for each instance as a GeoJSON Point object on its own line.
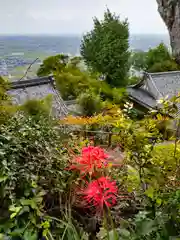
{"type": "Point", "coordinates": [28, 69]}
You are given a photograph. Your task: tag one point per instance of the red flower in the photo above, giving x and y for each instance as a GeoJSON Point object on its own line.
{"type": "Point", "coordinates": [91, 158]}
{"type": "Point", "coordinates": [101, 192]}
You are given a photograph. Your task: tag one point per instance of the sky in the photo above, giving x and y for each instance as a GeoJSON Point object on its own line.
{"type": "Point", "coordinates": [75, 16]}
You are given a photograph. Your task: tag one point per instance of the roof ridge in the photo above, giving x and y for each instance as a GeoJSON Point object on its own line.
{"type": "Point", "coordinates": [156, 87]}
{"type": "Point", "coordinates": [162, 73]}
{"type": "Point", "coordinates": [153, 83]}
{"type": "Point", "coordinates": [31, 82]}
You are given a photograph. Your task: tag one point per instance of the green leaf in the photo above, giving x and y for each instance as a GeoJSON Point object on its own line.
{"type": "Point", "coordinates": [29, 202]}
{"type": "Point", "coordinates": [30, 235]}
{"type": "Point", "coordinates": [3, 178]}
{"type": "Point", "coordinates": [17, 232]}
{"type": "Point", "coordinates": [146, 227]}
{"type": "Point", "coordinates": [150, 192]}
{"type": "Point", "coordinates": [2, 237]}
{"type": "Point", "coordinates": [113, 235]}
{"type": "Point", "coordinates": [14, 209]}
{"type": "Point", "coordinates": [13, 215]}
{"type": "Point", "coordinates": [125, 233]}
{"type": "Point", "coordinates": [2, 152]}
{"type": "Point", "coordinates": [24, 209]}
{"type": "Point", "coordinates": [159, 201]}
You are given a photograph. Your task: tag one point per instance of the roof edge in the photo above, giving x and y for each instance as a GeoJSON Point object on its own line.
{"type": "Point", "coordinates": [140, 102]}
{"type": "Point", "coordinates": [139, 83]}
{"type": "Point", "coordinates": [162, 73]}
{"type": "Point", "coordinates": [31, 82]}
{"type": "Point", "coordinates": [151, 79]}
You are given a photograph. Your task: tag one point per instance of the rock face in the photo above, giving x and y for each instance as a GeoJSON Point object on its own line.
{"type": "Point", "coordinates": [38, 89]}
{"type": "Point", "coordinates": [170, 13]}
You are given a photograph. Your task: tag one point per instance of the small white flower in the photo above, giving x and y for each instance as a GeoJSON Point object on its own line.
{"type": "Point", "coordinates": [131, 106]}
{"type": "Point", "coordinates": [160, 101]}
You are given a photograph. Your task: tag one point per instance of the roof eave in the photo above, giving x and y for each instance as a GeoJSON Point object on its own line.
{"type": "Point", "coordinates": [141, 103]}
{"type": "Point", "coordinates": [31, 82]}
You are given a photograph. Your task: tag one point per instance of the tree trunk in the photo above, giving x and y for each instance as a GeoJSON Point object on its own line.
{"type": "Point", "coordinates": [169, 11]}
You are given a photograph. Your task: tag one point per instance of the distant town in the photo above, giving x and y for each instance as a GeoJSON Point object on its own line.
{"type": "Point", "coordinates": [18, 52]}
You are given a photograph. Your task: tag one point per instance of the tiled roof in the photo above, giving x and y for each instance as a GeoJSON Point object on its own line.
{"type": "Point", "coordinates": [167, 83]}
{"type": "Point", "coordinates": [142, 97]}
{"type": "Point", "coordinates": [37, 89]}
{"type": "Point", "coordinates": [155, 86]}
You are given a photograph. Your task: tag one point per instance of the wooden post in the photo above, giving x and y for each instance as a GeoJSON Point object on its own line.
{"type": "Point", "coordinates": [109, 139]}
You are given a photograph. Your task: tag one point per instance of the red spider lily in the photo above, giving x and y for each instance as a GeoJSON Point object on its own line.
{"type": "Point", "coordinates": [101, 192]}
{"type": "Point", "coordinates": [95, 152]}
{"type": "Point", "coordinates": [91, 158]}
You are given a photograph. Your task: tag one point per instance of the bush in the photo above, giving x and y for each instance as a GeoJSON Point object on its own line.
{"type": "Point", "coordinates": [157, 59]}
{"type": "Point", "coordinates": [6, 108]}
{"type": "Point", "coordinates": [53, 64]}
{"type": "Point", "coordinates": [90, 103]}
{"type": "Point", "coordinates": [165, 156]}
{"type": "Point", "coordinates": [164, 66]}
{"type": "Point", "coordinates": [31, 175]}
{"type": "Point", "coordinates": [38, 107]}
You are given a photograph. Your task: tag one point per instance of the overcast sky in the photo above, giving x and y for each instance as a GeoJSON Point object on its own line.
{"type": "Point", "coordinates": [75, 16]}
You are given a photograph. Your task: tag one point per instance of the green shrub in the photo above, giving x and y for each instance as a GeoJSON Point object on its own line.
{"type": "Point", "coordinates": [53, 64]}
{"type": "Point", "coordinates": [165, 156]}
{"type": "Point", "coordinates": [32, 175]}
{"type": "Point", "coordinates": [90, 103]}
{"type": "Point", "coordinates": [38, 107]}
{"type": "Point", "coordinates": [6, 108]}
{"type": "Point", "coordinates": [164, 66]}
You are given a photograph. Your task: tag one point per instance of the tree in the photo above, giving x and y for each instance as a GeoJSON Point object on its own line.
{"type": "Point", "coordinates": [157, 54]}
{"type": "Point", "coordinates": [53, 64]}
{"type": "Point", "coordinates": [157, 59]}
{"type": "Point", "coordinates": [138, 60]}
{"type": "Point", "coordinates": [169, 11]}
{"type": "Point", "coordinates": [105, 49]}
{"type": "Point", "coordinates": [75, 61]}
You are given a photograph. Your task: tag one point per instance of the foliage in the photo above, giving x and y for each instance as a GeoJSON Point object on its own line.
{"type": "Point", "coordinates": [90, 103]}
{"type": "Point", "coordinates": [157, 59]}
{"type": "Point", "coordinates": [38, 107]}
{"type": "Point", "coordinates": [54, 186]}
{"type": "Point", "coordinates": [75, 61]}
{"type": "Point", "coordinates": [150, 178]}
{"type": "Point", "coordinates": [133, 80]}
{"type": "Point", "coordinates": [158, 54]}
{"type": "Point", "coordinates": [31, 175]}
{"type": "Point", "coordinates": [105, 49]}
{"type": "Point", "coordinates": [165, 157]}
{"type": "Point", "coordinates": [72, 83]}
{"type": "Point", "coordinates": [138, 60]}
{"type": "Point", "coordinates": [53, 64]}
{"type": "Point", "coordinates": [165, 66]}
{"type": "Point", "coordinates": [6, 108]}
{"type": "Point", "coordinates": [4, 86]}
{"type": "Point", "coordinates": [111, 115]}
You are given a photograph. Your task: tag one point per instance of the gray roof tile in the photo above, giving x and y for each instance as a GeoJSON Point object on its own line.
{"type": "Point", "coordinates": [167, 83]}
{"type": "Point", "coordinates": [142, 96]}
{"type": "Point", "coordinates": [155, 86]}
{"type": "Point", "coordinates": [38, 89]}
